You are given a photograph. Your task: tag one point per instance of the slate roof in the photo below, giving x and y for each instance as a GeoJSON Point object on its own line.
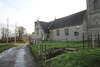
{"type": "Point", "coordinates": [44, 25]}
{"type": "Point", "coordinates": [72, 20]}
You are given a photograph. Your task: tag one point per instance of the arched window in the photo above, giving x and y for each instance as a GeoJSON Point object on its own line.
{"type": "Point", "coordinates": [95, 4]}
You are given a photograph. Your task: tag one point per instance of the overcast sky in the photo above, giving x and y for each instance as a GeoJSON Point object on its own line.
{"type": "Point", "coordinates": [26, 12]}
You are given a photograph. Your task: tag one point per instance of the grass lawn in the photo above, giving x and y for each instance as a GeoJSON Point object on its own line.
{"type": "Point", "coordinates": [4, 46]}
{"type": "Point", "coordinates": [58, 44]}
{"type": "Point", "coordinates": [18, 44]}
{"type": "Point", "coordinates": [82, 58]}
{"type": "Point", "coordinates": [73, 44]}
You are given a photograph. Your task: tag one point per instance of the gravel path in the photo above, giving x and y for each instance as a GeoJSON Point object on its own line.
{"type": "Point", "coordinates": [19, 56]}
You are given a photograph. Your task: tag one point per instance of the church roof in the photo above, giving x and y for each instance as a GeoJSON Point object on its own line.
{"type": "Point", "coordinates": [72, 20]}
{"type": "Point", "coordinates": [44, 25]}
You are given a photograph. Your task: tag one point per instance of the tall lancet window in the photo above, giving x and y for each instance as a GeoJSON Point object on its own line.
{"type": "Point", "coordinates": [95, 4]}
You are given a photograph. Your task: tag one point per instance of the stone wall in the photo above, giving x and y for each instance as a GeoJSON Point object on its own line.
{"type": "Point", "coordinates": [40, 32]}
{"type": "Point", "coordinates": [93, 18]}
{"type": "Point", "coordinates": [71, 37]}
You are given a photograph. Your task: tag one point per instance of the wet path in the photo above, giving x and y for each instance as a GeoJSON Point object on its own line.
{"type": "Point", "coordinates": [18, 57]}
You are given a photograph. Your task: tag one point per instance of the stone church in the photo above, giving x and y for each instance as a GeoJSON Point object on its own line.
{"type": "Point", "coordinates": [93, 16]}
{"type": "Point", "coordinates": [70, 27]}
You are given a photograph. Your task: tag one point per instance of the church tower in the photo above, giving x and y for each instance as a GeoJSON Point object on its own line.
{"type": "Point", "coordinates": [93, 16]}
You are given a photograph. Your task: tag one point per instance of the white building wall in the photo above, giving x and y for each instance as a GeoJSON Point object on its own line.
{"type": "Point", "coordinates": [71, 36]}
{"type": "Point", "coordinates": [40, 33]}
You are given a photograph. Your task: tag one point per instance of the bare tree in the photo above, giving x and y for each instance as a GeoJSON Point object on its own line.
{"type": "Point", "coordinates": [4, 34]}
{"type": "Point", "coordinates": [3, 31]}
{"type": "Point", "coordinates": [20, 31]}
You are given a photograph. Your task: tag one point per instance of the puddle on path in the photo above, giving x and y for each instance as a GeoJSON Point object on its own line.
{"type": "Point", "coordinates": [20, 59]}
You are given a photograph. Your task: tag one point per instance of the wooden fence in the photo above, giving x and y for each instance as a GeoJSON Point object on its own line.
{"type": "Point", "coordinates": [89, 41]}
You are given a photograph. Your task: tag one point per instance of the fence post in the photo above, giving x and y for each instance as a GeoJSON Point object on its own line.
{"type": "Point", "coordinates": [37, 46]}
{"type": "Point", "coordinates": [50, 45]}
{"type": "Point", "coordinates": [67, 43]}
{"type": "Point", "coordinates": [40, 52]}
{"type": "Point", "coordinates": [88, 41]}
{"type": "Point", "coordinates": [49, 51]}
{"type": "Point", "coordinates": [83, 40]}
{"type": "Point", "coordinates": [91, 40]}
{"type": "Point", "coordinates": [42, 49]}
{"type": "Point", "coordinates": [34, 46]}
{"type": "Point", "coordinates": [98, 40]}
{"type": "Point", "coordinates": [45, 55]}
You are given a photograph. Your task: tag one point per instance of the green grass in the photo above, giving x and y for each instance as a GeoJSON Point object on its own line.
{"type": "Point", "coordinates": [4, 46]}
{"type": "Point", "coordinates": [73, 44]}
{"type": "Point", "coordinates": [35, 50]}
{"type": "Point", "coordinates": [59, 44]}
{"type": "Point", "coordinates": [83, 58]}
{"type": "Point", "coordinates": [18, 44]}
